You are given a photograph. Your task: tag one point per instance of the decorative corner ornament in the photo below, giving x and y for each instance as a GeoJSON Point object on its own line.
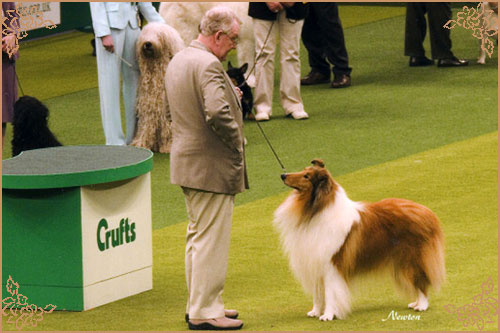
{"type": "Point", "coordinates": [482, 21]}
{"type": "Point", "coordinates": [19, 311]}
{"type": "Point", "coordinates": [483, 308]}
{"type": "Point", "coordinates": [31, 18]}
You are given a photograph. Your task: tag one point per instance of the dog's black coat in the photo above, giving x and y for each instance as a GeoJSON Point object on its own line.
{"type": "Point", "coordinates": [30, 126]}
{"type": "Point", "coordinates": [238, 77]}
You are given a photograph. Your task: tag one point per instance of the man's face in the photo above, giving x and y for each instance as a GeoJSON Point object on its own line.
{"type": "Point", "coordinates": [225, 42]}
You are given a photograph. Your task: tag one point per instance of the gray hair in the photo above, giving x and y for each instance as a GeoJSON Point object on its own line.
{"type": "Point", "coordinates": [219, 18]}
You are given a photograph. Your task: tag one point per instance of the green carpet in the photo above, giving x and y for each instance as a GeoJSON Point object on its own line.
{"type": "Point", "coordinates": [458, 182]}
{"type": "Point", "coordinates": [426, 134]}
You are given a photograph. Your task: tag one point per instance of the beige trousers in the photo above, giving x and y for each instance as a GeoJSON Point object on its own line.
{"type": "Point", "coordinates": [289, 37]}
{"type": "Point", "coordinates": [207, 248]}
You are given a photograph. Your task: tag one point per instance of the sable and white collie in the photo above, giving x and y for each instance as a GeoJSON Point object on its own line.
{"type": "Point", "coordinates": [330, 239]}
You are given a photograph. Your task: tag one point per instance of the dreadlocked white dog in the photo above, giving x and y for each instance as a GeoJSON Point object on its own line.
{"type": "Point", "coordinates": [185, 17]}
{"type": "Point", "coordinates": [156, 45]}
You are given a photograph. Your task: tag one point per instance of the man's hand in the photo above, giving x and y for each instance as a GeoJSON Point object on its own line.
{"type": "Point", "coordinates": [107, 42]}
{"type": "Point", "coordinates": [274, 6]}
{"type": "Point", "coordinates": [287, 4]}
{"type": "Point", "coordinates": [239, 92]}
{"type": "Point", "coordinates": [9, 44]}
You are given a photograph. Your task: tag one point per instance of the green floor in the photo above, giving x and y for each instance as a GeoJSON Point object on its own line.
{"type": "Point", "coordinates": [426, 134]}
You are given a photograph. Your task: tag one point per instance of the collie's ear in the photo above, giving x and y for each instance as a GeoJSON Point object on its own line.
{"type": "Point", "coordinates": [322, 189]}
{"type": "Point", "coordinates": [318, 162]}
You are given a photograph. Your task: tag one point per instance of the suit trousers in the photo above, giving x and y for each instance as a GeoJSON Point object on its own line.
{"type": "Point", "coordinates": [207, 249]}
{"type": "Point", "coordinates": [416, 27]}
{"type": "Point", "coordinates": [323, 38]}
{"type": "Point", "coordinates": [109, 67]}
{"type": "Point", "coordinates": [289, 36]}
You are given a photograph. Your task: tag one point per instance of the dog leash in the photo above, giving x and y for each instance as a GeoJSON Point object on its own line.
{"type": "Point", "coordinates": [19, 82]}
{"type": "Point", "coordinates": [270, 146]}
{"type": "Point", "coordinates": [258, 124]}
{"type": "Point", "coordinates": [125, 61]}
{"type": "Point", "coordinates": [260, 52]}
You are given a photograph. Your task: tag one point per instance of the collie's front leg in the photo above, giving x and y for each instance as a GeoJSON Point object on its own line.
{"type": "Point", "coordinates": [318, 300]}
{"type": "Point", "coordinates": [337, 296]}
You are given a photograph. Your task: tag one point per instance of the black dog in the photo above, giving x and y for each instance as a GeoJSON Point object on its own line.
{"type": "Point", "coordinates": [237, 75]}
{"type": "Point", "coordinates": [30, 126]}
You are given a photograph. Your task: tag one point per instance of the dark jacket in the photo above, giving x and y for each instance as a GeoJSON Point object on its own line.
{"type": "Point", "coordinates": [260, 11]}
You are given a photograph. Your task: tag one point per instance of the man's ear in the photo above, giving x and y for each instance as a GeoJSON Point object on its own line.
{"type": "Point", "coordinates": [217, 35]}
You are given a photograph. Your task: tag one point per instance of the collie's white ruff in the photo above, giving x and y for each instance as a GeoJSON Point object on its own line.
{"type": "Point", "coordinates": [310, 248]}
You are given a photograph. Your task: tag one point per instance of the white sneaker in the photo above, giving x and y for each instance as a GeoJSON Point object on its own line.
{"type": "Point", "coordinates": [299, 115]}
{"type": "Point", "coordinates": [261, 116]}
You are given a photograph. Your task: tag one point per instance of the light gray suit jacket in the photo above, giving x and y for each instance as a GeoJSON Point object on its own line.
{"type": "Point", "coordinates": [107, 15]}
{"type": "Point", "coordinates": [207, 124]}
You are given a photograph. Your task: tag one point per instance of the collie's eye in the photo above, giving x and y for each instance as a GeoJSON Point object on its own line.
{"type": "Point", "coordinates": [306, 176]}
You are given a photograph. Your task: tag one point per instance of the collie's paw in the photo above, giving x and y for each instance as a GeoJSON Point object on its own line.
{"type": "Point", "coordinates": [313, 313]}
{"type": "Point", "coordinates": [327, 317]}
{"type": "Point", "coordinates": [419, 306]}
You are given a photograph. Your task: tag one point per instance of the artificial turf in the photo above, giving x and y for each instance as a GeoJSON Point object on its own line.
{"type": "Point", "coordinates": [427, 134]}
{"type": "Point", "coordinates": [457, 181]}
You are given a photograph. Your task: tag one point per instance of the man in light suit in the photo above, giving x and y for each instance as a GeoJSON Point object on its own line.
{"type": "Point", "coordinates": [116, 28]}
{"type": "Point", "coordinates": [207, 160]}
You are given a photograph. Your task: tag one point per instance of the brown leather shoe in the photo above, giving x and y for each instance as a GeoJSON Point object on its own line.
{"type": "Point", "coordinates": [341, 81]}
{"type": "Point", "coordinates": [315, 78]}
{"type": "Point", "coordinates": [217, 324]}
{"type": "Point", "coordinates": [232, 314]}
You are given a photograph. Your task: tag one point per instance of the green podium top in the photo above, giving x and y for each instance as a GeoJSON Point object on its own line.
{"type": "Point", "coordinates": [70, 166]}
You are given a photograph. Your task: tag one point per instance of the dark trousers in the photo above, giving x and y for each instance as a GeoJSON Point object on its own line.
{"type": "Point", "coordinates": [323, 38]}
{"type": "Point", "coordinates": [438, 13]}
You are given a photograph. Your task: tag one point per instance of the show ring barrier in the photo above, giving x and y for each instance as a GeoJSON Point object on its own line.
{"type": "Point", "coordinates": [76, 225]}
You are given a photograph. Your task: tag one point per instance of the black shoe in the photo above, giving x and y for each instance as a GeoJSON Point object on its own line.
{"type": "Point", "coordinates": [420, 61]}
{"type": "Point", "coordinates": [315, 78]}
{"type": "Point", "coordinates": [341, 81]}
{"type": "Point", "coordinates": [452, 62]}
